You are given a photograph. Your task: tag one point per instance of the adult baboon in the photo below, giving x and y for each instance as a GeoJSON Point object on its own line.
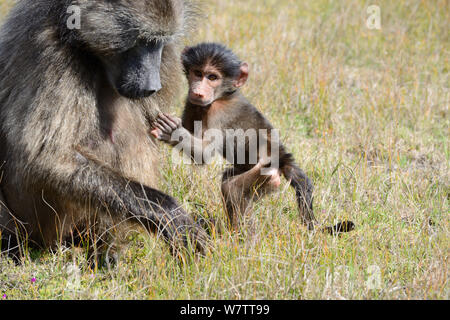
{"type": "Point", "coordinates": [75, 108]}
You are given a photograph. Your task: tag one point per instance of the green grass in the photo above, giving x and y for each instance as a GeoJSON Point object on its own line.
{"type": "Point", "coordinates": [366, 114]}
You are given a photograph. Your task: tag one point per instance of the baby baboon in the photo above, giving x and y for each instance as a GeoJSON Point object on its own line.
{"type": "Point", "coordinates": [75, 108]}
{"type": "Point", "coordinates": [215, 75]}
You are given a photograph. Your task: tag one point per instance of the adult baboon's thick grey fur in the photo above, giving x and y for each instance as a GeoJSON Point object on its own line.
{"type": "Point", "coordinates": [75, 108]}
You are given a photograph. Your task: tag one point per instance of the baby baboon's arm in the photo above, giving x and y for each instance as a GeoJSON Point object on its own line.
{"type": "Point", "coordinates": [168, 129]}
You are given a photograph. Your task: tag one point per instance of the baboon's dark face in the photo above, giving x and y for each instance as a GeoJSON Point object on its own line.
{"type": "Point", "coordinates": [135, 72]}
{"type": "Point", "coordinates": [130, 37]}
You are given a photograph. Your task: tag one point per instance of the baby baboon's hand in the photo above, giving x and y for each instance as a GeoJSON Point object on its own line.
{"type": "Point", "coordinates": [164, 126]}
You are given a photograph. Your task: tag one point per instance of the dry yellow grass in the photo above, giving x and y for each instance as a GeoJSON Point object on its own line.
{"type": "Point", "coordinates": [366, 114]}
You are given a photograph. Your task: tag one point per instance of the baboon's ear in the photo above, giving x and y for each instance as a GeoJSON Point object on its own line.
{"type": "Point", "coordinates": [183, 53]}
{"type": "Point", "coordinates": [185, 50]}
{"type": "Point", "coordinates": [243, 76]}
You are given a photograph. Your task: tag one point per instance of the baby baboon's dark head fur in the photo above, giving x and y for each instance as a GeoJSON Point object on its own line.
{"type": "Point", "coordinates": [215, 54]}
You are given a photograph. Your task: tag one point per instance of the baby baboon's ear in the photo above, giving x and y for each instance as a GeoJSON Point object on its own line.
{"type": "Point", "coordinates": [182, 57]}
{"type": "Point", "coordinates": [243, 76]}
{"type": "Point", "coordinates": [185, 50]}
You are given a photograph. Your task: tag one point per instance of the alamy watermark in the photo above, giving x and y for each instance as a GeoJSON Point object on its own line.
{"type": "Point", "coordinates": [73, 273]}
{"type": "Point", "coordinates": [74, 20]}
{"type": "Point", "coordinates": [374, 17]}
{"type": "Point", "coordinates": [235, 145]}
{"type": "Point", "coordinates": [339, 281]}
{"type": "Point", "coordinates": [374, 278]}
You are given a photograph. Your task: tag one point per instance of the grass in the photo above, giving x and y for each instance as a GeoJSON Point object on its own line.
{"type": "Point", "coordinates": [366, 114]}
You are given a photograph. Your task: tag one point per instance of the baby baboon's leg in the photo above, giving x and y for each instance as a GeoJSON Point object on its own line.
{"type": "Point", "coordinates": [240, 188]}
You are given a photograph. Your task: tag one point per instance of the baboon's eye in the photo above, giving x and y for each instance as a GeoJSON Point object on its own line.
{"type": "Point", "coordinates": [198, 73]}
{"type": "Point", "coordinates": [212, 77]}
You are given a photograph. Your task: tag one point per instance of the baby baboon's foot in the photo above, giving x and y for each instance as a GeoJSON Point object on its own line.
{"type": "Point", "coordinates": [273, 179]}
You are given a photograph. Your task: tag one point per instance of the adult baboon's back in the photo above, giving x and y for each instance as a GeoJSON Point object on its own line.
{"type": "Point", "coordinates": [75, 104]}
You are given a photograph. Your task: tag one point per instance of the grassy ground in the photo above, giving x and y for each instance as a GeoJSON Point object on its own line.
{"type": "Point", "coordinates": [365, 112]}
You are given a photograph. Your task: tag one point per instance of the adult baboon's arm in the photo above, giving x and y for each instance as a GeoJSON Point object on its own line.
{"type": "Point", "coordinates": [125, 198]}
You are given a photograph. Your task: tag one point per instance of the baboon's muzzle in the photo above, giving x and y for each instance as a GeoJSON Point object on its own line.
{"type": "Point", "coordinates": [140, 76]}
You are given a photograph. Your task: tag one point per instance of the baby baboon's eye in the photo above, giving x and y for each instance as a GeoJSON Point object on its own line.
{"type": "Point", "coordinates": [213, 77]}
{"type": "Point", "coordinates": [198, 73]}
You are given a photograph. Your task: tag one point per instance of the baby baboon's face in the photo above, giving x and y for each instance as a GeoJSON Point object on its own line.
{"type": "Point", "coordinates": [129, 37]}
